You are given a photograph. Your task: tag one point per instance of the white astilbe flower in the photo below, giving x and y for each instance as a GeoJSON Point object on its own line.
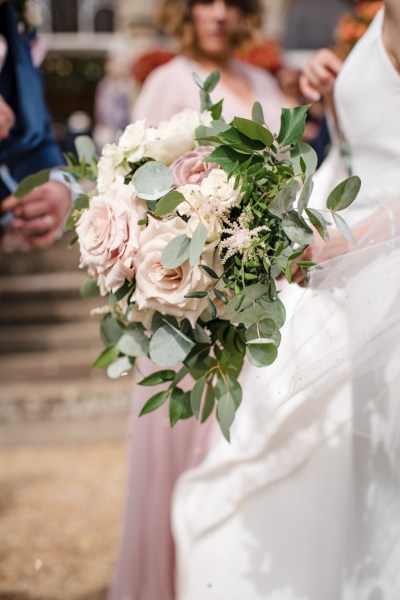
{"type": "Point", "coordinates": [241, 238]}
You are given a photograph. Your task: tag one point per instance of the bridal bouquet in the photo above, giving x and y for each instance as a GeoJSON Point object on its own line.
{"type": "Point", "coordinates": [188, 227]}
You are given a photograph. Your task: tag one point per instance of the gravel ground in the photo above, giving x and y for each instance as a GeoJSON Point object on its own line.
{"type": "Point", "coordinates": [60, 517]}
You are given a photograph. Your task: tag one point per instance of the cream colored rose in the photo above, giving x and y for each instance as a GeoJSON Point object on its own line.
{"type": "Point", "coordinates": [176, 137]}
{"type": "Point", "coordinates": [108, 234]}
{"type": "Point", "coordinates": [111, 167]}
{"type": "Point", "coordinates": [134, 139]}
{"type": "Point", "coordinates": [217, 186]}
{"type": "Point", "coordinates": [163, 290]}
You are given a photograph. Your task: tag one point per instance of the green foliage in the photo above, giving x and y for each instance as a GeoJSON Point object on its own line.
{"type": "Point", "coordinates": [152, 181]}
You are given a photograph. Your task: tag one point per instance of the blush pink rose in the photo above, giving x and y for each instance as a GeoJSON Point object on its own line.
{"type": "Point", "coordinates": [163, 290]}
{"type": "Point", "coordinates": [108, 234]}
{"type": "Point", "coordinates": [191, 168]}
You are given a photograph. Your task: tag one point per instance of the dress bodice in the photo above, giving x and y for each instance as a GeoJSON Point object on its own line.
{"type": "Point", "coordinates": [367, 98]}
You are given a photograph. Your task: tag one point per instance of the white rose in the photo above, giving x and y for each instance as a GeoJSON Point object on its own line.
{"type": "Point", "coordinates": [108, 234]}
{"type": "Point", "coordinates": [163, 290]}
{"type": "Point", "coordinates": [213, 225]}
{"type": "Point", "coordinates": [175, 137]}
{"type": "Point", "coordinates": [111, 167]}
{"type": "Point", "coordinates": [133, 140]}
{"type": "Point", "coordinates": [217, 186]}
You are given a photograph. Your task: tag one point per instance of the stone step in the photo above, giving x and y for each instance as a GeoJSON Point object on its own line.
{"type": "Point", "coordinates": [64, 399]}
{"type": "Point", "coordinates": [44, 366]}
{"type": "Point", "coordinates": [35, 338]}
{"type": "Point", "coordinates": [46, 310]}
{"type": "Point", "coordinates": [62, 284]}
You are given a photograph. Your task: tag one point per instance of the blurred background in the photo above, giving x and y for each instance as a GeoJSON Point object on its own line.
{"type": "Point", "coordinates": [63, 425]}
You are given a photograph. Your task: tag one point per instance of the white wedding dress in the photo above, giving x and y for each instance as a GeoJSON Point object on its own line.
{"type": "Point", "coordinates": [304, 504]}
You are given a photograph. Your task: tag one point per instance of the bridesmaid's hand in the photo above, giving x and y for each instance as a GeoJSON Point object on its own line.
{"type": "Point", "coordinates": [7, 119]}
{"type": "Point", "coordinates": [319, 76]}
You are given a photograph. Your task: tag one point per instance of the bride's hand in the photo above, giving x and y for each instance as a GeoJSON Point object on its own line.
{"type": "Point", "coordinates": [320, 74]}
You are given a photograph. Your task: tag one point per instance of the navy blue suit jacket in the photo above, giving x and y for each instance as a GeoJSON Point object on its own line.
{"type": "Point", "coordinates": [29, 147]}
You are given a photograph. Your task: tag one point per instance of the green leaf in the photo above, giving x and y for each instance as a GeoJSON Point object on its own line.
{"type": "Point", "coordinates": [158, 378]}
{"type": "Point", "coordinates": [273, 309]}
{"type": "Point", "coordinates": [344, 194]}
{"type": "Point", "coordinates": [169, 346]}
{"type": "Point", "coordinates": [319, 222]}
{"type": "Point", "coordinates": [303, 151]}
{"type": "Point", "coordinates": [31, 182]}
{"type": "Point", "coordinates": [264, 329]}
{"type": "Point", "coordinates": [178, 405]}
{"type": "Point", "coordinates": [168, 203]}
{"type": "Point", "coordinates": [209, 403]}
{"type": "Point", "coordinates": [297, 229]}
{"type": "Point", "coordinates": [216, 109]}
{"type": "Point", "coordinates": [197, 243]}
{"type": "Point", "coordinates": [154, 402]}
{"type": "Point", "coordinates": [120, 367]}
{"type": "Point", "coordinates": [152, 180]}
{"type": "Point", "coordinates": [197, 79]}
{"type": "Point", "coordinates": [90, 289]}
{"type": "Point", "coordinates": [115, 297]}
{"type": "Point", "coordinates": [221, 296]}
{"type": "Point", "coordinates": [305, 195]}
{"type": "Point", "coordinates": [176, 252]}
{"type": "Point", "coordinates": [211, 81]}
{"type": "Point", "coordinates": [229, 394]}
{"type": "Point", "coordinates": [110, 330]}
{"type": "Point", "coordinates": [261, 353]}
{"type": "Point", "coordinates": [106, 357]}
{"type": "Point", "coordinates": [213, 308]}
{"type": "Point", "coordinates": [197, 395]}
{"type": "Point", "coordinates": [257, 113]}
{"type": "Point", "coordinates": [343, 228]}
{"type": "Point", "coordinates": [254, 131]}
{"type": "Point", "coordinates": [292, 124]}
{"type": "Point", "coordinates": [226, 157]}
{"type": "Point", "coordinates": [239, 141]}
{"type": "Point", "coordinates": [133, 343]}
{"type": "Point", "coordinates": [209, 271]}
{"type": "Point", "coordinates": [85, 148]}
{"type": "Point", "coordinates": [196, 295]}
{"type": "Point", "coordinates": [284, 200]}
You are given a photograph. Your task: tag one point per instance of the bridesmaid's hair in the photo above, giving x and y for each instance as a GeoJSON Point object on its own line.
{"type": "Point", "coordinates": [175, 17]}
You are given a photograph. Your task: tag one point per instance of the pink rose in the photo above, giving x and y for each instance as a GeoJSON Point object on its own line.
{"type": "Point", "coordinates": [163, 290]}
{"type": "Point", "coordinates": [191, 168]}
{"type": "Point", "coordinates": [108, 233]}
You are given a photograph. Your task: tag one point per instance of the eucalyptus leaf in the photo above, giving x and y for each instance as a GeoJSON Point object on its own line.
{"type": "Point", "coordinates": [257, 113]}
{"type": "Point", "coordinates": [292, 124]}
{"type": "Point", "coordinates": [197, 395]}
{"type": "Point", "coordinates": [120, 367]}
{"type": "Point", "coordinates": [319, 223]}
{"type": "Point", "coordinates": [297, 229]}
{"type": "Point", "coordinates": [226, 411]}
{"type": "Point", "coordinates": [176, 252]}
{"type": "Point", "coordinates": [168, 203]}
{"type": "Point", "coordinates": [90, 289]}
{"type": "Point", "coordinates": [305, 195]}
{"type": "Point", "coordinates": [261, 353]}
{"type": "Point", "coordinates": [209, 402]}
{"type": "Point", "coordinates": [343, 228]}
{"type": "Point", "coordinates": [85, 148]}
{"type": "Point", "coordinates": [110, 330]}
{"type": "Point", "coordinates": [31, 182]}
{"type": "Point", "coordinates": [197, 243]}
{"type": "Point", "coordinates": [133, 343]}
{"type": "Point", "coordinates": [284, 200]}
{"type": "Point", "coordinates": [305, 152]}
{"type": "Point", "coordinates": [168, 346]}
{"type": "Point", "coordinates": [344, 194]}
{"type": "Point", "coordinates": [264, 329]}
{"type": "Point", "coordinates": [152, 180]}
{"type": "Point", "coordinates": [178, 405]}
{"type": "Point", "coordinates": [211, 81]}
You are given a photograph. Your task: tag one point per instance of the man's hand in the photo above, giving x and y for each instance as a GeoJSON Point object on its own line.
{"type": "Point", "coordinates": [320, 74]}
{"type": "Point", "coordinates": [40, 215]}
{"type": "Point", "coordinates": [7, 119]}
